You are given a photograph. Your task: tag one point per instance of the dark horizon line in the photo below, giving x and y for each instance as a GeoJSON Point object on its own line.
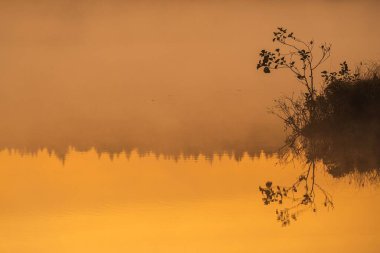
{"type": "Point", "coordinates": [174, 154]}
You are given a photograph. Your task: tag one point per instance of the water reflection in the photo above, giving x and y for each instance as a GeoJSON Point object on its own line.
{"type": "Point", "coordinates": [149, 204]}
{"type": "Point", "coordinates": [353, 152]}
{"type": "Point", "coordinates": [302, 193]}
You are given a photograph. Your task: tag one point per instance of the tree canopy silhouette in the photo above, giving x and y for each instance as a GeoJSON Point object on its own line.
{"type": "Point", "coordinates": [297, 55]}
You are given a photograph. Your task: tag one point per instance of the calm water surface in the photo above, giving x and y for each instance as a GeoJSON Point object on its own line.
{"type": "Point", "coordinates": [97, 203]}
{"type": "Point", "coordinates": [173, 77]}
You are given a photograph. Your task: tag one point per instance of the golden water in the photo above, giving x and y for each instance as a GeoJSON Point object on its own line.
{"type": "Point", "coordinates": [92, 203]}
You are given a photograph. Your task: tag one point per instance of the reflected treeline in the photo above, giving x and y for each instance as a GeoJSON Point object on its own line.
{"type": "Point", "coordinates": [236, 152]}
{"type": "Point", "coordinates": [30, 134]}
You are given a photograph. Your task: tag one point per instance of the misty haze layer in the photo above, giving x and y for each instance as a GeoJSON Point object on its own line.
{"type": "Point", "coordinates": [166, 76]}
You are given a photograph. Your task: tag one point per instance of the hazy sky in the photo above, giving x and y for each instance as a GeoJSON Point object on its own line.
{"type": "Point", "coordinates": [159, 73]}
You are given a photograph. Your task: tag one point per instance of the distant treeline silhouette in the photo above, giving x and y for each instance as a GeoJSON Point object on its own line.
{"type": "Point", "coordinates": [236, 152]}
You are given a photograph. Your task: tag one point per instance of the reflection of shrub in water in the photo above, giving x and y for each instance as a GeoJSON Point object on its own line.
{"type": "Point", "coordinates": [301, 194]}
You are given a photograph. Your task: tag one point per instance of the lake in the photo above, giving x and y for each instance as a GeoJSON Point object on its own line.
{"type": "Point", "coordinates": [91, 202]}
{"type": "Point", "coordinates": [143, 126]}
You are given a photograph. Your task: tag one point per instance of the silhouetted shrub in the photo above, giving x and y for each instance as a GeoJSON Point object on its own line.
{"type": "Point", "coordinates": [338, 125]}
{"type": "Point", "coordinates": [343, 105]}
{"type": "Point", "coordinates": [345, 133]}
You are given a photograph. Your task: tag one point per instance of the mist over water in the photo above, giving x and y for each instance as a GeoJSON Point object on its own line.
{"type": "Point", "coordinates": [164, 76]}
{"type": "Point", "coordinates": [143, 126]}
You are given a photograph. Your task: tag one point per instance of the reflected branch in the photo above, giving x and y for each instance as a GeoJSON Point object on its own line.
{"type": "Point", "coordinates": [301, 195]}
